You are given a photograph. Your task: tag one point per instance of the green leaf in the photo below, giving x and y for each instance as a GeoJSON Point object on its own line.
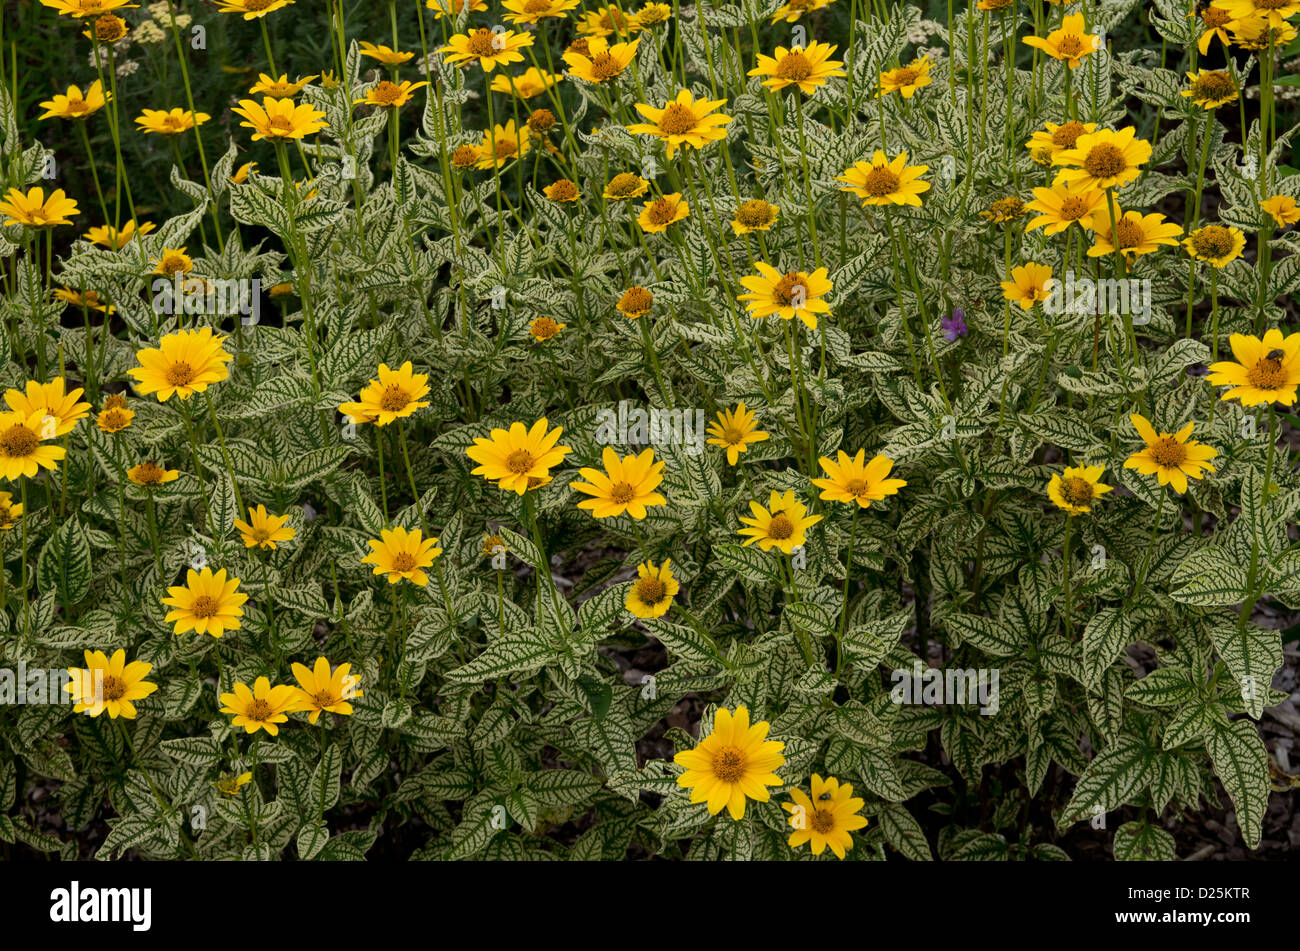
{"type": "Point", "coordinates": [1209, 577]}
{"type": "Point", "coordinates": [1111, 779]}
{"type": "Point", "coordinates": [517, 653]}
{"type": "Point", "coordinates": [756, 567]}
{"type": "Point", "coordinates": [903, 832]}
{"type": "Point", "coordinates": [1143, 842]}
{"type": "Point", "coordinates": [1253, 655]}
{"type": "Point", "coordinates": [1107, 634]}
{"type": "Point", "coordinates": [64, 564]}
{"type": "Point", "coordinates": [987, 634]}
{"type": "Point", "coordinates": [1241, 763]}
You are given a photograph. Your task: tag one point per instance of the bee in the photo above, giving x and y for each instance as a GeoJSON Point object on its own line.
{"type": "Point", "coordinates": [825, 797]}
{"type": "Point", "coordinates": [1275, 354]}
{"type": "Point", "coordinates": [1200, 7]}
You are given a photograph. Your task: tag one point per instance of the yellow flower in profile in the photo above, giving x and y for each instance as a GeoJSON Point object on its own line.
{"type": "Point", "coordinates": [608, 20]}
{"type": "Point", "coordinates": [806, 68]}
{"type": "Point", "coordinates": [262, 708]}
{"type": "Point", "coordinates": [1267, 371]}
{"type": "Point", "coordinates": [251, 8]}
{"type": "Point", "coordinates": [90, 300]}
{"type": "Point", "coordinates": [544, 328]}
{"type": "Point", "coordinates": [856, 480]}
{"type": "Point", "coordinates": [624, 186]}
{"type": "Point", "coordinates": [385, 93]}
{"type": "Point", "coordinates": [504, 144]}
{"type": "Point", "coordinates": [528, 85]}
{"type": "Point", "coordinates": [322, 690]}
{"type": "Point", "coordinates": [653, 14]}
{"type": "Point", "coordinates": [1283, 208]}
{"type": "Point", "coordinates": [734, 430]}
{"type": "Point", "coordinates": [602, 60]}
{"type": "Point", "coordinates": [562, 191]}
{"type": "Point", "coordinates": [87, 8]}
{"type": "Point", "coordinates": [1170, 457]}
{"type": "Point", "coordinates": [1103, 159]}
{"type": "Point", "coordinates": [1028, 284]}
{"type": "Point", "coordinates": [279, 119]}
{"type": "Point", "coordinates": [442, 8]}
{"type": "Point", "coordinates": [1211, 88]}
{"type": "Point", "coordinates": [1214, 19]}
{"type": "Point", "coordinates": [825, 819]}
{"type": "Point", "coordinates": [1061, 206]}
{"type": "Point", "coordinates": [885, 182]}
{"type": "Point", "coordinates": [169, 122]}
{"type": "Point", "coordinates": [1274, 12]}
{"type": "Point", "coordinates": [74, 104]}
{"type": "Point", "coordinates": [1077, 488]}
{"type": "Point", "coordinates": [735, 762]}
{"type": "Point", "coordinates": [651, 595]}
{"type": "Point", "coordinates": [794, 9]}
{"type": "Point", "coordinates": [783, 524]}
{"type": "Point", "coordinates": [184, 363]}
{"type": "Point", "coordinates": [395, 395]}
{"type": "Point", "coordinates": [516, 457]}
{"type": "Point", "coordinates": [400, 554]}
{"type": "Point", "coordinates": [34, 209]}
{"type": "Point", "coordinates": [1005, 210]}
{"type": "Point", "coordinates": [173, 261]}
{"type": "Point", "coordinates": [208, 603]}
{"type": "Point", "coordinates": [385, 54]}
{"type": "Point", "coordinates": [115, 416]}
{"type": "Point", "coordinates": [1215, 244]}
{"type": "Point", "coordinates": [21, 452]}
{"type": "Point", "coordinates": [114, 239]}
{"type": "Point", "coordinates": [263, 530]}
{"type": "Point", "coordinates": [992, 6]}
{"type": "Point", "coordinates": [789, 295]}
{"type": "Point", "coordinates": [635, 302]}
{"type": "Point", "coordinates": [531, 11]}
{"type": "Point", "coordinates": [10, 511]}
{"type": "Point", "coordinates": [686, 121]}
{"type": "Point", "coordinates": [661, 212]}
{"type": "Point", "coordinates": [487, 48]}
{"type": "Point", "coordinates": [906, 80]}
{"type": "Point", "coordinates": [754, 215]}
{"type": "Point", "coordinates": [150, 474]}
{"type": "Point", "coordinates": [626, 486]}
{"type": "Point", "coordinates": [107, 28]}
{"type": "Point", "coordinates": [282, 88]}
{"type": "Point", "coordinates": [1070, 44]}
{"type": "Point", "coordinates": [1138, 233]}
{"type": "Point", "coordinates": [1052, 138]}
{"type": "Point", "coordinates": [61, 411]}
{"type": "Point", "coordinates": [1258, 33]}
{"type": "Point", "coordinates": [108, 684]}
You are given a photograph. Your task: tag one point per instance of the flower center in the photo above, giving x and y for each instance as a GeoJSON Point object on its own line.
{"type": "Point", "coordinates": [1065, 135]}
{"type": "Point", "coordinates": [172, 122]}
{"type": "Point", "coordinates": [780, 527]}
{"type": "Point", "coordinates": [281, 124]}
{"type": "Point", "coordinates": [324, 699]}
{"type": "Point", "coordinates": [537, 6]}
{"type": "Point", "coordinates": [1076, 491]}
{"type": "Point", "coordinates": [1270, 4]}
{"type": "Point", "coordinates": [637, 300]}
{"type": "Point", "coordinates": [255, 5]}
{"type": "Point", "coordinates": [1214, 17]}
{"type": "Point", "coordinates": [394, 399]}
{"type": "Point", "coordinates": [604, 66]}
{"type": "Point", "coordinates": [149, 473]}
{"type": "Point", "coordinates": [1168, 452]}
{"type": "Point", "coordinates": [403, 561]}
{"type": "Point", "coordinates": [204, 606]}
{"type": "Point", "coordinates": [544, 328]}
{"type": "Point", "coordinates": [1213, 241]}
{"type": "Point", "coordinates": [676, 120]}
{"type": "Point", "coordinates": [662, 211]}
{"type": "Point", "coordinates": [180, 373]}
{"type": "Point", "coordinates": [733, 435]}
{"type": "Point", "coordinates": [519, 461]}
{"type": "Point", "coordinates": [483, 42]}
{"type": "Point", "coordinates": [109, 28]}
{"type": "Point", "coordinates": [622, 493]}
{"type": "Point", "coordinates": [114, 419]}
{"type": "Point", "coordinates": [1104, 161]}
{"type": "Point", "coordinates": [541, 120]}
{"type": "Point", "coordinates": [464, 155]}
{"type": "Point", "coordinates": [1073, 208]}
{"type": "Point", "coordinates": [624, 185]}
{"type": "Point", "coordinates": [754, 213]}
{"type": "Point", "coordinates": [614, 19]}
{"type": "Point", "coordinates": [904, 76]}
{"type": "Point", "coordinates": [113, 688]}
{"type": "Point", "coordinates": [505, 148]}
{"type": "Point", "coordinates": [171, 263]}
{"type": "Point", "coordinates": [785, 290]}
{"type": "Point", "coordinates": [1268, 374]}
{"type": "Point", "coordinates": [856, 488]}
{"type": "Point", "coordinates": [19, 441]}
{"type": "Point", "coordinates": [76, 104]}
{"type": "Point", "coordinates": [1071, 44]}
{"type": "Point", "coordinates": [650, 590]}
{"type": "Point", "coordinates": [881, 181]}
{"type": "Point", "coordinates": [1213, 86]}
{"type": "Point", "coordinates": [386, 92]}
{"type": "Point", "coordinates": [794, 66]}
{"type": "Point", "coordinates": [729, 764]}
{"type": "Point", "coordinates": [258, 710]}
{"type": "Point", "coordinates": [1130, 233]}
{"type": "Point", "coordinates": [823, 821]}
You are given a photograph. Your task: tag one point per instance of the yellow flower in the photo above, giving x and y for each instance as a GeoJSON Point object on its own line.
{"type": "Point", "coordinates": [10, 511]}
{"type": "Point", "coordinates": [806, 68]}
{"type": "Point", "coordinates": [1214, 18]}
{"type": "Point", "coordinates": [734, 430]}
{"type": "Point", "coordinates": [75, 105]}
{"type": "Point", "coordinates": [385, 93]}
{"type": "Point", "coordinates": [906, 80]}
{"type": "Point", "coordinates": [854, 480]}
{"type": "Point", "coordinates": [263, 530]}
{"type": "Point", "coordinates": [686, 121]}
{"type": "Point", "coordinates": [1077, 488]}
{"type": "Point", "coordinates": [788, 295]}
{"type": "Point", "coordinates": [1011, 208]}
{"type": "Point", "coordinates": [1215, 244]}
{"type": "Point", "coordinates": [783, 524]}
{"type": "Point", "coordinates": [1045, 143]}
{"type": "Point", "coordinates": [321, 690]}
{"type": "Point", "coordinates": [150, 474]}
{"type": "Point", "coordinates": [652, 14]}
{"type": "Point", "coordinates": [602, 60]}
{"type": "Point", "coordinates": [1211, 88]}
{"type": "Point", "coordinates": [282, 88]}
{"type": "Point", "coordinates": [184, 363]}
{"type": "Point", "coordinates": [170, 122]}
{"type": "Point", "coordinates": [1138, 233]}
{"type": "Point", "coordinates": [21, 452]}
{"type": "Point", "coordinates": [529, 84]}
{"type": "Point", "coordinates": [251, 9]}
{"type": "Point", "coordinates": [1274, 12]}
{"type": "Point", "coordinates": [442, 8]}
{"type": "Point", "coordinates": [1103, 159]}
{"type": "Point", "coordinates": [531, 11]}
{"type": "Point", "coordinates": [733, 763]}
{"type": "Point", "coordinates": [60, 411]}
{"type": "Point", "coordinates": [626, 486]}
{"type": "Point", "coordinates": [89, 300]}
{"type": "Point", "coordinates": [109, 237]}
{"type": "Point", "coordinates": [885, 182]}
{"type": "Point", "coordinates": [651, 595]}
{"type": "Point", "coordinates": [395, 395]}
{"type": "Point", "coordinates": [230, 784]}
{"type": "Point", "coordinates": [516, 457]}
{"type": "Point", "coordinates": [1258, 33]}
{"type": "Point", "coordinates": [1283, 209]}
{"type": "Point", "coordinates": [241, 174]}
{"type": "Point", "coordinates": [1028, 284]}
{"type": "Point", "coordinates": [109, 684]}
{"type": "Point", "coordinates": [173, 261]}
{"type": "Point", "coordinates": [608, 20]}
{"type": "Point", "coordinates": [624, 186]}
{"type": "Point", "coordinates": [107, 28]}
{"type": "Point", "coordinates": [825, 819]}
{"type": "Point", "coordinates": [561, 191]}
{"type": "Point", "coordinates": [543, 328]}
{"type": "Point", "coordinates": [1061, 206]}
{"type": "Point", "coordinates": [1267, 371]}
{"type": "Point", "coordinates": [465, 156]}
{"type": "Point", "coordinates": [261, 708]}
{"type": "Point", "coordinates": [661, 212]}
{"type": "Point", "coordinates": [400, 554]}
{"type": "Point", "coordinates": [794, 9]}
{"type": "Point", "coordinates": [503, 145]}
{"type": "Point", "coordinates": [487, 48]}
{"type": "Point", "coordinates": [1171, 458]}
{"type": "Point", "coordinates": [990, 6]}
{"type": "Point", "coordinates": [36, 210]}
{"type": "Point", "coordinates": [207, 603]}
{"type": "Point", "coordinates": [1070, 44]}
{"type": "Point", "coordinates": [114, 417]}
{"type": "Point", "coordinates": [635, 302]}
{"type": "Point", "coordinates": [86, 8]}
{"type": "Point", "coordinates": [279, 119]}
{"type": "Point", "coordinates": [384, 54]}
{"type": "Point", "coordinates": [754, 215]}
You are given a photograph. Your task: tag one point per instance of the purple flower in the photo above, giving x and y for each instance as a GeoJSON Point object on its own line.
{"type": "Point", "coordinates": [954, 326]}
